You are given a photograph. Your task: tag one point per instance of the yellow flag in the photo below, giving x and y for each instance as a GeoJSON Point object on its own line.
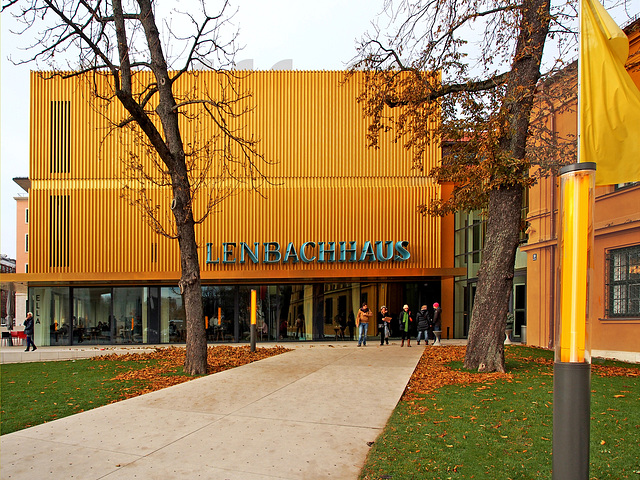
{"type": "Point", "coordinates": [609, 100]}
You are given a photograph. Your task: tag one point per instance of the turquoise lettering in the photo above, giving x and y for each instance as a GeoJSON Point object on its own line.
{"type": "Point", "coordinates": [253, 254]}
{"type": "Point", "coordinates": [268, 252]}
{"type": "Point", "coordinates": [209, 249]}
{"type": "Point", "coordinates": [324, 250]}
{"type": "Point", "coordinates": [291, 253]}
{"type": "Point", "coordinates": [228, 252]}
{"type": "Point", "coordinates": [352, 250]}
{"type": "Point", "coordinates": [380, 251]}
{"type": "Point", "coordinates": [303, 254]}
{"type": "Point", "coordinates": [367, 252]}
{"type": "Point", "coordinates": [401, 250]}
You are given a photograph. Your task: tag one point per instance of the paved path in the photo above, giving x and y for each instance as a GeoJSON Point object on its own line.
{"type": "Point", "coordinates": [305, 414]}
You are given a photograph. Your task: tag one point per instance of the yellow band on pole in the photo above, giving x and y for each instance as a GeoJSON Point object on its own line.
{"type": "Point", "coordinates": [575, 245]}
{"type": "Point", "coordinates": [253, 307]}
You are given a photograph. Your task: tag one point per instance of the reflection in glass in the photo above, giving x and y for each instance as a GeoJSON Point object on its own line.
{"type": "Point", "coordinates": [50, 308]}
{"type": "Point", "coordinates": [129, 321]}
{"type": "Point", "coordinates": [173, 321]}
{"type": "Point", "coordinates": [218, 309]}
{"type": "Point", "coordinates": [91, 312]}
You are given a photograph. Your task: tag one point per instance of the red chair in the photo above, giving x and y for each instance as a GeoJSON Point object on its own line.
{"type": "Point", "coordinates": [18, 338]}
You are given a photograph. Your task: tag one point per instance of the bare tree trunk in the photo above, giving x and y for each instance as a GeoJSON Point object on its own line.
{"type": "Point", "coordinates": [485, 349]}
{"type": "Point", "coordinates": [196, 348]}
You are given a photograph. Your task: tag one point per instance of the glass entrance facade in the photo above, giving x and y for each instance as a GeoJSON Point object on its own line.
{"type": "Point", "coordinates": [156, 315]}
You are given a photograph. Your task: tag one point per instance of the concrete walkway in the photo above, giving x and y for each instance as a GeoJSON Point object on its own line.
{"type": "Point", "coordinates": [305, 414]}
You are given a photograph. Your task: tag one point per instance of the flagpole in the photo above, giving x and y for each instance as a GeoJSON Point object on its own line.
{"type": "Point", "coordinates": [579, 104]}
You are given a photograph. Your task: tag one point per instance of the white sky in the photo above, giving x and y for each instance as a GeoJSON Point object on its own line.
{"type": "Point", "coordinates": [318, 35]}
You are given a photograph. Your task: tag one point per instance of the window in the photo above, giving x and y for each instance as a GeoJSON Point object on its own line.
{"type": "Point", "coordinates": [26, 242]}
{"type": "Point", "coordinates": [59, 230]}
{"type": "Point", "coordinates": [26, 215]}
{"type": "Point", "coordinates": [623, 288]}
{"type": "Point", "coordinates": [26, 268]}
{"type": "Point", "coordinates": [620, 186]}
{"type": "Point", "coordinates": [60, 137]}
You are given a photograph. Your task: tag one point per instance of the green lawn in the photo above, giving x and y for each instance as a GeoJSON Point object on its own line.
{"type": "Point", "coordinates": [503, 429]}
{"type": "Point", "coordinates": [34, 393]}
{"type": "Point", "coordinates": [39, 392]}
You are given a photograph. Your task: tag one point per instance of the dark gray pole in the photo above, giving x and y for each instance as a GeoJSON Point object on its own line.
{"type": "Point", "coordinates": [571, 419]}
{"type": "Point", "coordinates": [253, 320]}
{"type": "Point", "coordinates": [253, 337]}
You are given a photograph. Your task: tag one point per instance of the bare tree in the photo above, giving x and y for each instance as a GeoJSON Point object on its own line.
{"type": "Point", "coordinates": [119, 47]}
{"type": "Point", "coordinates": [486, 116]}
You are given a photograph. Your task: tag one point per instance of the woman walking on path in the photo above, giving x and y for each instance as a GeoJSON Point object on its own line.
{"type": "Point", "coordinates": [405, 321]}
{"type": "Point", "coordinates": [28, 331]}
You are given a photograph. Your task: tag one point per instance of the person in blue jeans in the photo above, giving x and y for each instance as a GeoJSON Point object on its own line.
{"type": "Point", "coordinates": [362, 320]}
{"type": "Point", "coordinates": [423, 318]}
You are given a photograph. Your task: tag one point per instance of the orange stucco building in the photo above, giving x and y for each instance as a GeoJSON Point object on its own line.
{"type": "Point", "coordinates": [614, 303]}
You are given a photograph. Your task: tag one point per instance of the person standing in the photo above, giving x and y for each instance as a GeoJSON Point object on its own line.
{"type": "Point", "coordinates": [437, 322]}
{"type": "Point", "coordinates": [28, 331]}
{"type": "Point", "coordinates": [362, 321]}
{"type": "Point", "coordinates": [405, 322]}
{"type": "Point", "coordinates": [423, 324]}
{"type": "Point", "coordinates": [383, 324]}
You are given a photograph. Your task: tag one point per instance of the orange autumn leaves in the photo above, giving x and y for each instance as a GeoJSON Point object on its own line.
{"type": "Point", "coordinates": [433, 372]}
{"type": "Point", "coordinates": [166, 362]}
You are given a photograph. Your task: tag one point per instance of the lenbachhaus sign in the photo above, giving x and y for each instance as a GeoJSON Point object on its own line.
{"type": "Point", "coordinates": [308, 252]}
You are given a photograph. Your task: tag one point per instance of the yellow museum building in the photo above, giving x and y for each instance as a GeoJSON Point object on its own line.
{"type": "Point", "coordinates": [335, 225]}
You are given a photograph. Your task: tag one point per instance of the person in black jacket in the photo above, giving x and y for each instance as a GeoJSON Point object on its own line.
{"type": "Point", "coordinates": [28, 331]}
{"type": "Point", "coordinates": [424, 321]}
{"type": "Point", "coordinates": [437, 322]}
{"type": "Point", "coordinates": [384, 320]}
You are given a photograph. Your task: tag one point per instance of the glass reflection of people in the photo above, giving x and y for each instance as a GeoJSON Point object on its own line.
{"type": "Point", "coordinates": [343, 324]}
{"type": "Point", "coordinates": [337, 326]}
{"type": "Point", "coordinates": [299, 326]}
{"type": "Point", "coordinates": [283, 329]}
{"type": "Point", "coordinates": [351, 323]}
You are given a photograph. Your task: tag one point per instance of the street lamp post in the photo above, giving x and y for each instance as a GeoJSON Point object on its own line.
{"type": "Point", "coordinates": [572, 366]}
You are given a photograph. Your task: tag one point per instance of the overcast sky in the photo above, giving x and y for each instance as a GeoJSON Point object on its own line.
{"type": "Point", "coordinates": [318, 35]}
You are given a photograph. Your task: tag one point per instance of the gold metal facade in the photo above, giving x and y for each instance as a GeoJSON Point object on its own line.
{"type": "Point", "coordinates": [327, 186]}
